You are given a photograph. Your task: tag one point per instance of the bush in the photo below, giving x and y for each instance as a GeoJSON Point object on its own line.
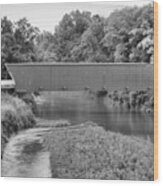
{"type": "Point", "coordinates": [90, 152]}
{"type": "Point", "coordinates": [16, 115]}
{"type": "Point", "coordinates": [29, 99]}
{"type": "Point", "coordinates": [140, 101]}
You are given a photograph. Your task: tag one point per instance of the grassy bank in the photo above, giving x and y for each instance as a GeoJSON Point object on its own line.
{"type": "Point", "coordinates": [16, 115]}
{"type": "Point", "coordinates": [81, 151]}
{"type": "Point", "coordinates": [88, 151]}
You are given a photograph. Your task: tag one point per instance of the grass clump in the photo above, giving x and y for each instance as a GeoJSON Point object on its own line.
{"type": "Point", "coordinates": [16, 115]}
{"type": "Point", "coordinates": [90, 152]}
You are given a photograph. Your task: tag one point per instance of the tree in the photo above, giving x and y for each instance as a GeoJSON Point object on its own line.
{"type": "Point", "coordinates": [141, 38]}
{"type": "Point", "coordinates": [90, 48]}
{"type": "Point", "coordinates": [45, 47]}
{"type": "Point", "coordinates": [68, 33]}
{"type": "Point", "coordinates": [18, 42]}
{"type": "Point", "coordinates": [128, 35]}
{"type": "Point", "coordinates": [25, 35]}
{"type": "Point", "coordinates": [7, 44]}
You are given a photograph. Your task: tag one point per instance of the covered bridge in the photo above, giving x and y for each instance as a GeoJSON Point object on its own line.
{"type": "Point", "coordinates": [77, 76]}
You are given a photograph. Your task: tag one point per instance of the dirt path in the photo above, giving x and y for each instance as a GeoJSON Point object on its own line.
{"type": "Point", "coordinates": [26, 156]}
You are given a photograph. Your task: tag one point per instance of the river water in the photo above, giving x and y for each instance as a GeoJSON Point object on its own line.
{"type": "Point", "coordinates": [25, 154]}
{"type": "Point", "coordinates": [79, 107]}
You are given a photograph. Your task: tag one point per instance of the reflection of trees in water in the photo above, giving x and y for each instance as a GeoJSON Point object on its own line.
{"type": "Point", "coordinates": [80, 107]}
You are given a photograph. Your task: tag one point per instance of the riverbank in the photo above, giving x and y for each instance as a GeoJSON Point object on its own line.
{"type": "Point", "coordinates": [87, 151]}
{"type": "Point", "coordinates": [16, 115]}
{"type": "Point", "coordinates": [58, 149]}
{"type": "Point", "coordinates": [84, 151]}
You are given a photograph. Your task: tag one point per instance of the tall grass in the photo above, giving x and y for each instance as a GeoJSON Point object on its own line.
{"type": "Point", "coordinates": [90, 152]}
{"type": "Point", "coordinates": [16, 115]}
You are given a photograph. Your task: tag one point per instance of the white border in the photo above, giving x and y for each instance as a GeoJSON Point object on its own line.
{"type": "Point", "coordinates": [64, 182]}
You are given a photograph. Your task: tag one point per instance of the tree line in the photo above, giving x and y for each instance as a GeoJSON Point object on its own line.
{"type": "Point", "coordinates": [126, 35]}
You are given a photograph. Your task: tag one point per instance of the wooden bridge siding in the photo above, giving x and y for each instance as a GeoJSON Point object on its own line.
{"type": "Point", "coordinates": [76, 77]}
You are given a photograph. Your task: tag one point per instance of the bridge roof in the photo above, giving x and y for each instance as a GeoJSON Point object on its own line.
{"type": "Point", "coordinates": [73, 64]}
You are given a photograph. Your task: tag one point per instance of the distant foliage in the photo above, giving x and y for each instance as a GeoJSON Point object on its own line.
{"type": "Point", "coordinates": [86, 151]}
{"type": "Point", "coordinates": [125, 36]}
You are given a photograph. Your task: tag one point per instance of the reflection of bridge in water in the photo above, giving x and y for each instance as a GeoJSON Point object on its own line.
{"type": "Point", "coordinates": [78, 76]}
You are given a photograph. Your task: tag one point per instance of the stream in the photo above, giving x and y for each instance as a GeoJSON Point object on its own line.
{"type": "Point", "coordinates": [26, 156]}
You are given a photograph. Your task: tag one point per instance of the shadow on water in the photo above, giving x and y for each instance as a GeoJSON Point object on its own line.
{"type": "Point", "coordinates": [79, 107]}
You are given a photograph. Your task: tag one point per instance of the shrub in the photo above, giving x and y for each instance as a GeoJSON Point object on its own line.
{"type": "Point", "coordinates": [29, 99]}
{"type": "Point", "coordinates": [140, 101]}
{"type": "Point", "coordinates": [88, 151]}
{"type": "Point", "coordinates": [16, 115]}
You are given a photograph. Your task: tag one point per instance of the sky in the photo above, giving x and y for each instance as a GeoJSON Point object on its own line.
{"type": "Point", "coordinates": [47, 15]}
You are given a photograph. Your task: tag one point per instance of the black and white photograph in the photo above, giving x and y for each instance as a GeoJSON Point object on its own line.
{"type": "Point", "coordinates": [77, 90]}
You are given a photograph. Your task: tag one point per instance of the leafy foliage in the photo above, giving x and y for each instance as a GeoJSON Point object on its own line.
{"type": "Point", "coordinates": [68, 34]}
{"type": "Point", "coordinates": [45, 47]}
{"type": "Point", "coordinates": [125, 36]}
{"type": "Point", "coordinates": [18, 42]}
{"type": "Point", "coordinates": [140, 101]}
{"type": "Point", "coordinates": [15, 116]}
{"type": "Point", "coordinates": [129, 34]}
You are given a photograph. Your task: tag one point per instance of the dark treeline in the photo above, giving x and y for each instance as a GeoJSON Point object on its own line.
{"type": "Point", "coordinates": [125, 36]}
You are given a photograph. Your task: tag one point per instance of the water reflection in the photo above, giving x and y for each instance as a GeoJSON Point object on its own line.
{"type": "Point", "coordinates": [78, 107]}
